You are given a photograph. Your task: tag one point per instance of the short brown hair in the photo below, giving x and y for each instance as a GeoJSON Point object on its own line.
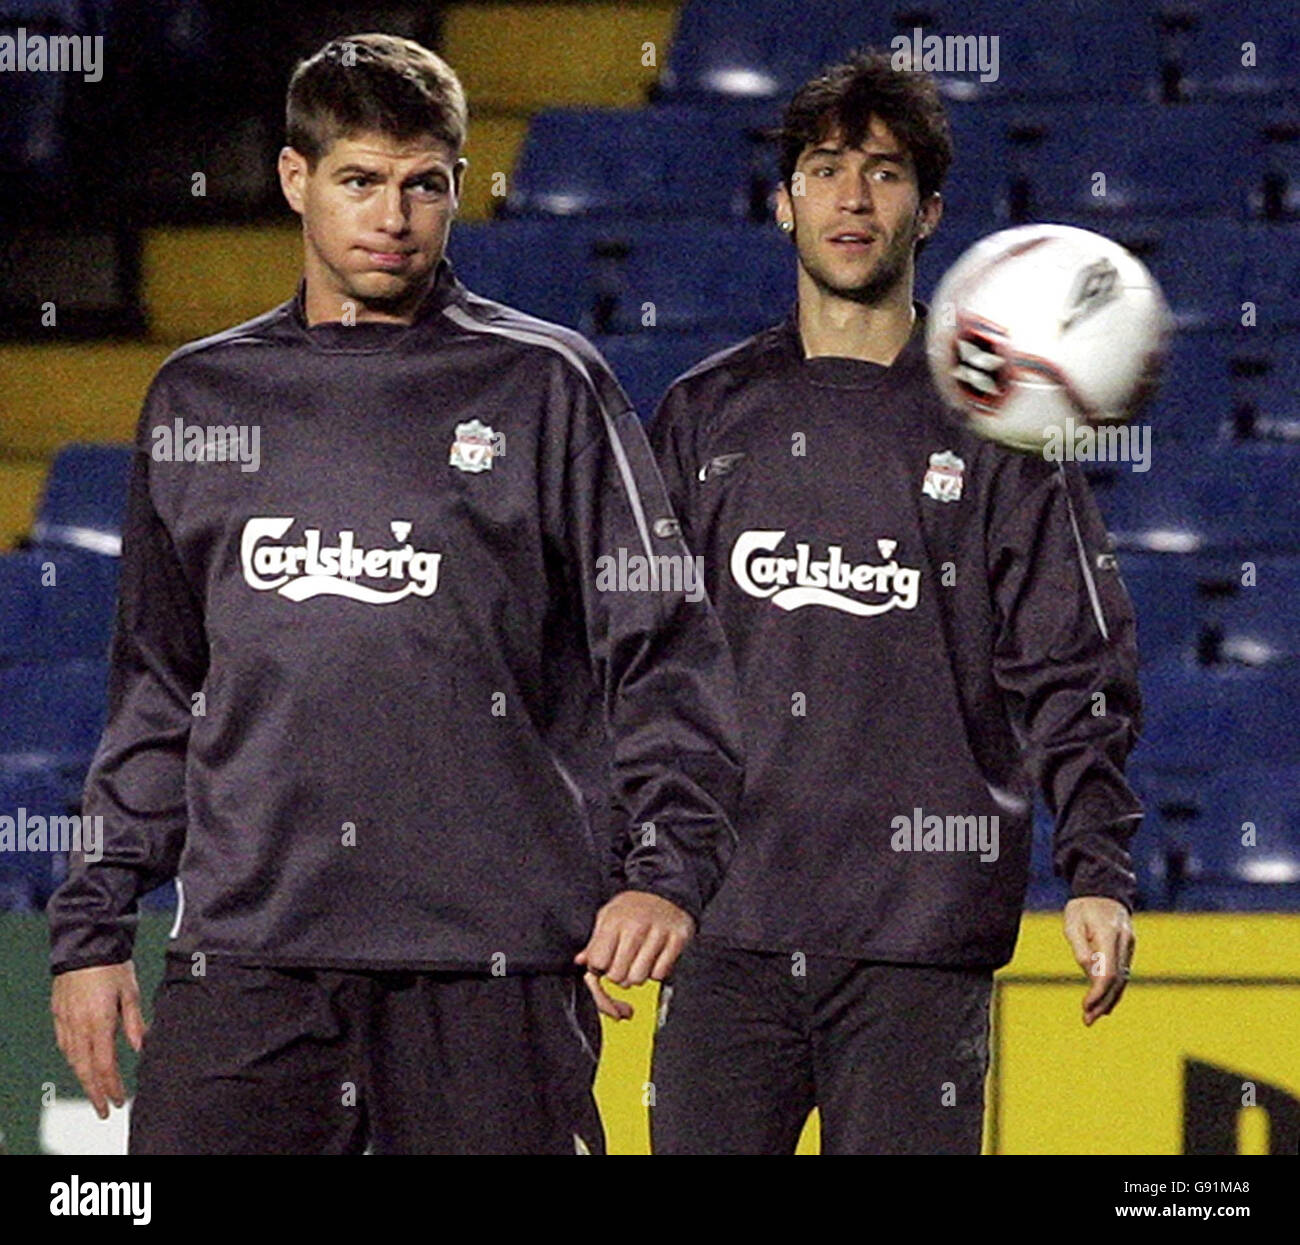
{"type": "Point", "coordinates": [373, 84]}
{"type": "Point", "coordinates": [846, 96]}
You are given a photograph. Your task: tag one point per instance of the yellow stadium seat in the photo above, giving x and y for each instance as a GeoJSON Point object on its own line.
{"type": "Point", "coordinates": [202, 279]}
{"type": "Point", "coordinates": [20, 491]}
{"type": "Point", "coordinates": [493, 144]}
{"type": "Point", "coordinates": [50, 395]}
{"type": "Point", "coordinates": [530, 56]}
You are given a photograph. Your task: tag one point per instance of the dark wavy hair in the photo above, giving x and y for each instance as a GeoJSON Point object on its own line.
{"type": "Point", "coordinates": [846, 96]}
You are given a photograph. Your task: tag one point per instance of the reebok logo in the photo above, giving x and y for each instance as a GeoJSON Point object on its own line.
{"type": "Point", "coordinates": [309, 569]}
{"type": "Point", "coordinates": [793, 581]}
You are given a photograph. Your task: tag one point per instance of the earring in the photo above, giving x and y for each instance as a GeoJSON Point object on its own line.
{"type": "Point", "coordinates": [786, 226]}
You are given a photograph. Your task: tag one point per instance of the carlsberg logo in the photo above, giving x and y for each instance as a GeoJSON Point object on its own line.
{"type": "Point", "coordinates": [795, 580]}
{"type": "Point", "coordinates": [310, 569]}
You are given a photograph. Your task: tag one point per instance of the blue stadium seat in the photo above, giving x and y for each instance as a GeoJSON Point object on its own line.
{"type": "Point", "coordinates": [1278, 196]}
{"type": "Point", "coordinates": [17, 894]}
{"type": "Point", "coordinates": [543, 267]}
{"type": "Point", "coordinates": [1200, 719]}
{"type": "Point", "coordinates": [767, 48]}
{"type": "Point", "coordinates": [28, 877]}
{"type": "Point", "coordinates": [1271, 278]}
{"type": "Point", "coordinates": [56, 603]}
{"type": "Point", "coordinates": [1096, 49]}
{"type": "Point", "coordinates": [1268, 393]}
{"type": "Point", "coordinates": [747, 49]}
{"type": "Point", "coordinates": [1237, 846]}
{"type": "Point", "coordinates": [1198, 607]}
{"type": "Point", "coordinates": [672, 161]}
{"type": "Point", "coordinates": [1243, 498]}
{"type": "Point", "coordinates": [1259, 625]}
{"type": "Point", "coordinates": [1194, 402]}
{"type": "Point", "coordinates": [647, 363]}
{"type": "Point", "coordinates": [703, 277]}
{"type": "Point", "coordinates": [1144, 153]}
{"type": "Point", "coordinates": [53, 715]}
{"type": "Point", "coordinates": [1162, 588]}
{"type": "Point", "coordinates": [85, 498]}
{"type": "Point", "coordinates": [1208, 47]}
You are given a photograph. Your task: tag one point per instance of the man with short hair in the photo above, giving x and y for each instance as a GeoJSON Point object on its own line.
{"type": "Point", "coordinates": [921, 621]}
{"type": "Point", "coordinates": [361, 698]}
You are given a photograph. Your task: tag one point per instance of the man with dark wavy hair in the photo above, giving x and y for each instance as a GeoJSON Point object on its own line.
{"type": "Point", "coordinates": [924, 625]}
{"type": "Point", "coordinates": [361, 697]}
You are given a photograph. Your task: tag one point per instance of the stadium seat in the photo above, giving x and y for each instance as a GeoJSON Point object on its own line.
{"type": "Point", "coordinates": [747, 49]}
{"type": "Point", "coordinates": [1209, 42]}
{"type": "Point", "coordinates": [70, 617]}
{"type": "Point", "coordinates": [543, 267]}
{"type": "Point", "coordinates": [767, 48]}
{"type": "Point", "coordinates": [673, 161]}
{"type": "Point", "coordinates": [1271, 278]}
{"type": "Point", "coordinates": [1267, 392]}
{"type": "Point", "coordinates": [1257, 626]}
{"type": "Point", "coordinates": [1097, 50]}
{"type": "Point", "coordinates": [1278, 196]}
{"type": "Point", "coordinates": [1237, 846]}
{"type": "Point", "coordinates": [1199, 719]}
{"type": "Point", "coordinates": [1241, 499]}
{"type": "Point", "coordinates": [31, 875]}
{"type": "Point", "coordinates": [1162, 588]}
{"type": "Point", "coordinates": [16, 891]}
{"type": "Point", "coordinates": [53, 715]}
{"type": "Point", "coordinates": [1194, 402]}
{"type": "Point", "coordinates": [647, 363]}
{"type": "Point", "coordinates": [1199, 607]}
{"type": "Point", "coordinates": [63, 393]}
{"type": "Point", "coordinates": [1102, 161]}
{"type": "Point", "coordinates": [709, 278]}
{"type": "Point", "coordinates": [85, 499]}
{"type": "Point", "coordinates": [522, 57]}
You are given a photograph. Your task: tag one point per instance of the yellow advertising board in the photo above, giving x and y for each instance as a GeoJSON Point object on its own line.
{"type": "Point", "coordinates": [1201, 1056]}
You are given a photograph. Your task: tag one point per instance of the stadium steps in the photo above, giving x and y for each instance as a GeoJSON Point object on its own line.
{"type": "Point", "coordinates": [521, 57]}
{"type": "Point", "coordinates": [21, 481]}
{"type": "Point", "coordinates": [200, 279]}
{"type": "Point", "coordinates": [53, 394]}
{"type": "Point", "coordinates": [492, 148]}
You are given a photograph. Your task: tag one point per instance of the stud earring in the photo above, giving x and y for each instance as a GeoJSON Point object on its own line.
{"type": "Point", "coordinates": [785, 226]}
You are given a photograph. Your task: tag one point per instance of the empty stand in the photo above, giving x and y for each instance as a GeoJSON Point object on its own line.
{"type": "Point", "coordinates": [85, 497]}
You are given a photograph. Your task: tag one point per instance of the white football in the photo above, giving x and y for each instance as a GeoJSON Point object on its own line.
{"type": "Point", "coordinates": [1046, 327]}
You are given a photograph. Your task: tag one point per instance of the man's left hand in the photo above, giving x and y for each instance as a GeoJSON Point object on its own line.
{"type": "Point", "coordinates": [1100, 934]}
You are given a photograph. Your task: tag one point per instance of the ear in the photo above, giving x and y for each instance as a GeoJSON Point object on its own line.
{"type": "Point", "coordinates": [458, 178]}
{"type": "Point", "coordinates": [784, 206]}
{"type": "Point", "coordinates": [293, 171]}
{"type": "Point", "coordinates": [929, 214]}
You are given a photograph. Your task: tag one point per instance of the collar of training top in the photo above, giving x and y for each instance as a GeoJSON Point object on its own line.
{"type": "Point", "coordinates": [835, 372]}
{"type": "Point", "coordinates": [370, 335]}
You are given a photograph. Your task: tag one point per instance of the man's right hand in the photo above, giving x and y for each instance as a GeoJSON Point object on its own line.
{"type": "Point", "coordinates": [86, 1003]}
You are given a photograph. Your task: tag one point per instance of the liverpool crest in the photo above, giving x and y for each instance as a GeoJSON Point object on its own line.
{"type": "Point", "coordinates": [474, 446]}
{"type": "Point", "coordinates": [944, 476]}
